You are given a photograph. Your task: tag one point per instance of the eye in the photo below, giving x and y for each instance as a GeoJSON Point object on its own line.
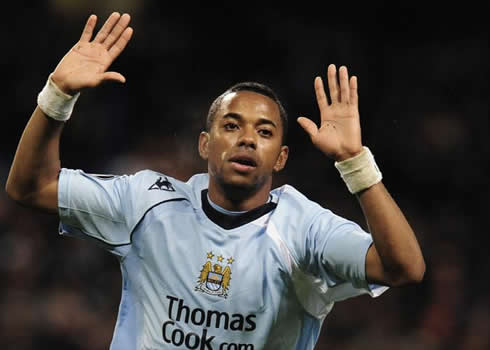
{"type": "Point", "coordinates": [230, 126]}
{"type": "Point", "coordinates": [265, 132]}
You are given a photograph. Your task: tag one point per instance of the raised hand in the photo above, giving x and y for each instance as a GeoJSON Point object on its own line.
{"type": "Point", "coordinates": [339, 135]}
{"type": "Point", "coordinates": [86, 64]}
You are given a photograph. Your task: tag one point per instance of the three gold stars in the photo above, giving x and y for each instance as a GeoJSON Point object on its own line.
{"type": "Point", "coordinates": [220, 258]}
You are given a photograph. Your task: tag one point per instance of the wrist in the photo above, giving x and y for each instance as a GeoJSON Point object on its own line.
{"type": "Point", "coordinates": [348, 155]}
{"type": "Point", "coordinates": [54, 102]}
{"type": "Point", "coordinates": [359, 172]}
{"type": "Point", "coordinates": [58, 80]}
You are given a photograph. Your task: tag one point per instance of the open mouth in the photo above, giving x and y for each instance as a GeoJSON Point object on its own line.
{"type": "Point", "coordinates": [243, 163]}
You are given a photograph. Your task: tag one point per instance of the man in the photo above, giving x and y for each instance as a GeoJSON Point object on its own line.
{"type": "Point", "coordinates": [220, 261]}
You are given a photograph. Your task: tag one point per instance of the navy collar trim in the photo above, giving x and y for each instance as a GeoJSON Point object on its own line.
{"type": "Point", "coordinates": [229, 222]}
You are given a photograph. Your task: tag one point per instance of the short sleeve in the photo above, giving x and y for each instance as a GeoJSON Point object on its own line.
{"type": "Point", "coordinates": [94, 206]}
{"type": "Point", "coordinates": [324, 252]}
{"type": "Point", "coordinates": [339, 249]}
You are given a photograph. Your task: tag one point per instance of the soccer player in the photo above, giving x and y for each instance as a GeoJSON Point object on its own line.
{"type": "Point", "coordinates": [221, 261]}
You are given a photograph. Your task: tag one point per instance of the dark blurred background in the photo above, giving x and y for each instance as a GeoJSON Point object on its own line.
{"type": "Point", "coordinates": [423, 85]}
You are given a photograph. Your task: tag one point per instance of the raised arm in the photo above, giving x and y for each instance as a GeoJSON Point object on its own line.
{"type": "Point", "coordinates": [395, 257]}
{"type": "Point", "coordinates": [33, 176]}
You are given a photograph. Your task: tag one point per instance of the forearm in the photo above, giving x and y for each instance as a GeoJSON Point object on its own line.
{"type": "Point", "coordinates": [33, 176]}
{"type": "Point", "coordinates": [395, 243]}
{"type": "Point", "coordinates": [395, 257]}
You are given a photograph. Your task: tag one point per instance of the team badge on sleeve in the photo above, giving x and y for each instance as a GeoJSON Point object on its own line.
{"type": "Point", "coordinates": [215, 279]}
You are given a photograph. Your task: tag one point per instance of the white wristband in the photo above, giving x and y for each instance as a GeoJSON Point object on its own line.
{"type": "Point", "coordinates": [359, 172]}
{"type": "Point", "coordinates": [55, 103]}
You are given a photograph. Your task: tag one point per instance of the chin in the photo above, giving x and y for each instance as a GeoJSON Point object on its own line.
{"type": "Point", "coordinates": [242, 186]}
{"type": "Point", "coordinates": [240, 183]}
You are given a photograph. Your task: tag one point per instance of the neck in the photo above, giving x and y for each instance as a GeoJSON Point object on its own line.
{"type": "Point", "coordinates": [235, 198]}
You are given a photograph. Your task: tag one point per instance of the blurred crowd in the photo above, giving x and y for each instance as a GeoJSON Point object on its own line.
{"type": "Point", "coordinates": [423, 86]}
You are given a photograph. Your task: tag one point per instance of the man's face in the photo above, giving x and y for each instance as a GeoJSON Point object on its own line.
{"type": "Point", "coordinates": [244, 145]}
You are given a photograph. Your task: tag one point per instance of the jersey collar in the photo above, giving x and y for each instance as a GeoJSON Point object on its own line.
{"type": "Point", "coordinates": [229, 222]}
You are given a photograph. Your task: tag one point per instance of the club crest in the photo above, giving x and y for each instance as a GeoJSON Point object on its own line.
{"type": "Point", "coordinates": [215, 278]}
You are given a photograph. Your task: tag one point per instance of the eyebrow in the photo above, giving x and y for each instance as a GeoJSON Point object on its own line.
{"type": "Point", "coordinates": [238, 117]}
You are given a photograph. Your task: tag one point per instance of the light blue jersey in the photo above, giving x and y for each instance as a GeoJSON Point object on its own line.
{"type": "Point", "coordinates": [196, 278]}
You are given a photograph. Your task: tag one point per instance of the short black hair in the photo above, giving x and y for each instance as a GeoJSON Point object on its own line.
{"type": "Point", "coordinates": [255, 87]}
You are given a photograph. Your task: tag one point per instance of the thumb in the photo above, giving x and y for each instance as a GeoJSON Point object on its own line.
{"type": "Point", "coordinates": [113, 76]}
{"type": "Point", "coordinates": [308, 125]}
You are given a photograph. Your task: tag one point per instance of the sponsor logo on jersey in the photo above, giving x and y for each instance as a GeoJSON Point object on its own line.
{"type": "Point", "coordinates": [193, 327]}
{"type": "Point", "coordinates": [215, 278]}
{"type": "Point", "coordinates": [162, 184]}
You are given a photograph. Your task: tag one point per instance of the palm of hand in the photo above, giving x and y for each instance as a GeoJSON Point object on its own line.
{"type": "Point", "coordinates": [339, 135]}
{"type": "Point", "coordinates": [339, 132]}
{"type": "Point", "coordinates": [86, 64]}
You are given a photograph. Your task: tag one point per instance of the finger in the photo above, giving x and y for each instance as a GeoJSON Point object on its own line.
{"type": "Point", "coordinates": [321, 97]}
{"type": "Point", "coordinates": [107, 27]}
{"type": "Point", "coordinates": [88, 30]}
{"type": "Point", "coordinates": [113, 76]}
{"type": "Point", "coordinates": [121, 43]}
{"type": "Point", "coordinates": [333, 85]}
{"type": "Point", "coordinates": [116, 32]}
{"type": "Point", "coordinates": [344, 84]}
{"type": "Point", "coordinates": [309, 126]}
{"type": "Point", "coordinates": [353, 90]}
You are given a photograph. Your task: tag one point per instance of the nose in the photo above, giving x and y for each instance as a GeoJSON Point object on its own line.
{"type": "Point", "coordinates": [248, 138]}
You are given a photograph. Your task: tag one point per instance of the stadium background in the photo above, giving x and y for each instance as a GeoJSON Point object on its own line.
{"type": "Point", "coordinates": [423, 80]}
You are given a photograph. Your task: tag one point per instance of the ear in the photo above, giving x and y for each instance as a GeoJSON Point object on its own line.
{"type": "Point", "coordinates": [203, 144]}
{"type": "Point", "coordinates": [282, 159]}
